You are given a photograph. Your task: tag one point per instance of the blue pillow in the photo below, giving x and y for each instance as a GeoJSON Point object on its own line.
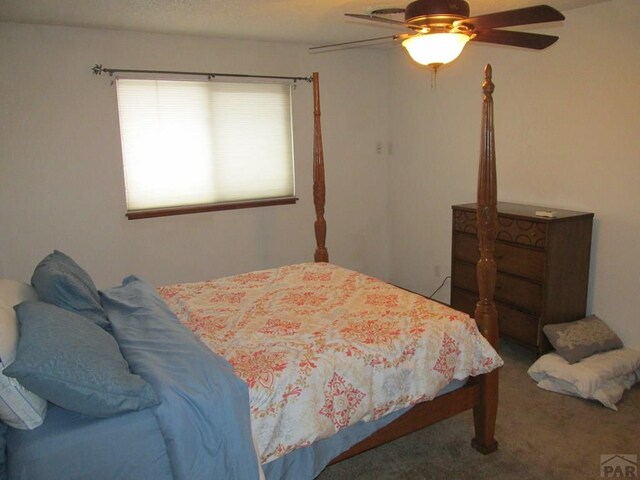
{"type": "Point", "coordinates": [59, 280]}
{"type": "Point", "coordinates": [74, 363]}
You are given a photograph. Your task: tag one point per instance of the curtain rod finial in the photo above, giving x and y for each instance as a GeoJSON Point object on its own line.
{"type": "Point", "coordinates": [97, 69]}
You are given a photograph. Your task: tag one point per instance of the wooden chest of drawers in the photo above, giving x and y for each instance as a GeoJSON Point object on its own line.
{"type": "Point", "coordinates": [543, 268]}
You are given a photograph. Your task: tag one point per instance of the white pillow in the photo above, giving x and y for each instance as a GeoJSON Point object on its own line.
{"type": "Point", "coordinates": [13, 292]}
{"type": "Point", "coordinates": [19, 407]}
{"type": "Point", "coordinates": [602, 376]}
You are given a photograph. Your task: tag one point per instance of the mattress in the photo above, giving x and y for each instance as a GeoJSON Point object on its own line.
{"type": "Point", "coordinates": [328, 356]}
{"type": "Point", "coordinates": [322, 347]}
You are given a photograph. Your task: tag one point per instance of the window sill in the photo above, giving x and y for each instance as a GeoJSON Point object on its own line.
{"type": "Point", "coordinates": [166, 212]}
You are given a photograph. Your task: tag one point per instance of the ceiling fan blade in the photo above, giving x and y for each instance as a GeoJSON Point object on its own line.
{"type": "Point", "coordinates": [511, 18]}
{"type": "Point", "coordinates": [389, 21]}
{"type": "Point", "coordinates": [357, 43]}
{"type": "Point", "coordinates": [517, 39]}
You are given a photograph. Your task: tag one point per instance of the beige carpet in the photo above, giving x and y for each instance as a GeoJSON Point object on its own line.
{"type": "Point", "coordinates": [541, 435]}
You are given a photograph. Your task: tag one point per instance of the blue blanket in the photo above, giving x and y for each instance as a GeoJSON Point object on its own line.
{"type": "Point", "coordinates": [204, 410]}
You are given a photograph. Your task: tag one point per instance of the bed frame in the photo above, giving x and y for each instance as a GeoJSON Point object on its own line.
{"type": "Point", "coordinates": [480, 393]}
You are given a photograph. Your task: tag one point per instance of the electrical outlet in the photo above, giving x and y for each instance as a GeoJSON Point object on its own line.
{"type": "Point", "coordinates": [378, 148]}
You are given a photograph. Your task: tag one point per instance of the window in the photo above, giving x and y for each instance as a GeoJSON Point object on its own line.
{"type": "Point", "coordinates": [193, 146]}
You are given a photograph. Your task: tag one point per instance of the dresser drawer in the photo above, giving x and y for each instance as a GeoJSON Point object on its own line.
{"type": "Point", "coordinates": [524, 262]}
{"type": "Point", "coordinates": [513, 323]}
{"type": "Point", "coordinates": [509, 289]}
{"type": "Point", "coordinates": [510, 229]}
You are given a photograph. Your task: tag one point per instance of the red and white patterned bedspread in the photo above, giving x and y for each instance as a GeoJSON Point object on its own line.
{"type": "Point", "coordinates": [322, 347]}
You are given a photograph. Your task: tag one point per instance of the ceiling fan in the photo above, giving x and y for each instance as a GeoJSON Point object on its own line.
{"type": "Point", "coordinates": [439, 29]}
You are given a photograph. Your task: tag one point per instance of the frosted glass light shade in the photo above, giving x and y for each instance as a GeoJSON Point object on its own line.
{"type": "Point", "coordinates": [434, 49]}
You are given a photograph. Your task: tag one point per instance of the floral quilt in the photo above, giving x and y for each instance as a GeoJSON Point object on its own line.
{"type": "Point", "coordinates": [322, 347]}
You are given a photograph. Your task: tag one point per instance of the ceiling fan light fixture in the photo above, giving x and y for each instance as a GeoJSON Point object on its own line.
{"type": "Point", "coordinates": [435, 49]}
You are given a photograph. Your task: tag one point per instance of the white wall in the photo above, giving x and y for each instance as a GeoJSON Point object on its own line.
{"type": "Point", "coordinates": [567, 136]}
{"type": "Point", "coordinates": [566, 124]}
{"type": "Point", "coordinates": [61, 180]}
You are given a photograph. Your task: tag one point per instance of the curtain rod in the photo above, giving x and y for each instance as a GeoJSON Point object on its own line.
{"type": "Point", "coordinates": [98, 69]}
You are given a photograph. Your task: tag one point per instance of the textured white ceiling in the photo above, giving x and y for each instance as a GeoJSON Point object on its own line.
{"type": "Point", "coordinates": [312, 22]}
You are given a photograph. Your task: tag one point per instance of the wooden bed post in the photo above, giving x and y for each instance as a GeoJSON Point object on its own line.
{"type": "Point", "coordinates": [480, 393]}
{"type": "Point", "coordinates": [486, 315]}
{"type": "Point", "coordinates": [321, 254]}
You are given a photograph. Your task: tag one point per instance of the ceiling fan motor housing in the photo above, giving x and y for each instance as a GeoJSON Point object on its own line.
{"type": "Point", "coordinates": [436, 12]}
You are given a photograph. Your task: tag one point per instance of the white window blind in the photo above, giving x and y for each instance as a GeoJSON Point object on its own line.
{"type": "Point", "coordinates": [190, 143]}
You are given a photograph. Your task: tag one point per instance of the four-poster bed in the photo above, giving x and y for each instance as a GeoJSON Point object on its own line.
{"type": "Point", "coordinates": [280, 329]}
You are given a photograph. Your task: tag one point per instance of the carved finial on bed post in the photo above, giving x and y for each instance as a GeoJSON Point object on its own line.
{"type": "Point", "coordinates": [486, 315]}
{"type": "Point", "coordinates": [321, 254]}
